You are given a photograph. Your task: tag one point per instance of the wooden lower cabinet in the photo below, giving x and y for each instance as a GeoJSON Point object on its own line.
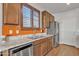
{"type": "Point", "coordinates": [40, 49]}
{"type": "Point", "coordinates": [5, 53]}
{"type": "Point", "coordinates": [49, 44]}
{"type": "Point", "coordinates": [43, 46]}
{"type": "Point", "coordinates": [36, 50]}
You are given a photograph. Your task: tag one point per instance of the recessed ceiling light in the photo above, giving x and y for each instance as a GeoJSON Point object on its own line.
{"type": "Point", "coordinates": [68, 3]}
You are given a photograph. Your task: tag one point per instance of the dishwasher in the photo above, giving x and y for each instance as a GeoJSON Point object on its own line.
{"type": "Point", "coordinates": [22, 50]}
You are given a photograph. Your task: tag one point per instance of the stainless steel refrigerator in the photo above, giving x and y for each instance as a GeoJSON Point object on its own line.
{"type": "Point", "coordinates": [53, 29]}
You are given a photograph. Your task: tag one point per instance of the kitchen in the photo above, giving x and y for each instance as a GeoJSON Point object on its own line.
{"type": "Point", "coordinates": [32, 29]}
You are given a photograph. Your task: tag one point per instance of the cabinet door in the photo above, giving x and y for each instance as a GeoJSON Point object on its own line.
{"type": "Point", "coordinates": [49, 45]}
{"type": "Point", "coordinates": [45, 16]}
{"type": "Point", "coordinates": [11, 13]}
{"type": "Point", "coordinates": [37, 50]}
{"type": "Point", "coordinates": [43, 20]}
{"type": "Point", "coordinates": [5, 53]}
{"type": "Point", "coordinates": [43, 48]}
{"type": "Point", "coordinates": [51, 18]}
{"type": "Point", "coordinates": [47, 19]}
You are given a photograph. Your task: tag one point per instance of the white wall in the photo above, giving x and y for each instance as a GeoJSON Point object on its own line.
{"type": "Point", "coordinates": [77, 31]}
{"type": "Point", "coordinates": [1, 19]}
{"type": "Point", "coordinates": [69, 22]}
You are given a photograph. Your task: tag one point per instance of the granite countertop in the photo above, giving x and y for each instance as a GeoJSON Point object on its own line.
{"type": "Point", "coordinates": [15, 43]}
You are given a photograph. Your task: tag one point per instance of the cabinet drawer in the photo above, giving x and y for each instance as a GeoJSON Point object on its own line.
{"type": "Point", "coordinates": [11, 13]}
{"type": "Point", "coordinates": [37, 42]}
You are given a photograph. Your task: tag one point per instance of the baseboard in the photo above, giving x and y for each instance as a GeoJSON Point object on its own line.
{"type": "Point", "coordinates": [77, 46]}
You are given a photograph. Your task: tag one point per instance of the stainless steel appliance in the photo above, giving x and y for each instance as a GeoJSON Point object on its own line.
{"type": "Point", "coordinates": [54, 30]}
{"type": "Point", "coordinates": [56, 36]}
{"type": "Point", "coordinates": [22, 50]}
{"type": "Point", "coordinates": [0, 54]}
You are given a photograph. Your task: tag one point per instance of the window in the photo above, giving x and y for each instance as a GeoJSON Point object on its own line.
{"type": "Point", "coordinates": [35, 19]}
{"type": "Point", "coordinates": [26, 17]}
{"type": "Point", "coordinates": [31, 17]}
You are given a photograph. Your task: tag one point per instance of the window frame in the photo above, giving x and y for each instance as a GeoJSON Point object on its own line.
{"type": "Point", "coordinates": [38, 18]}
{"type": "Point", "coordinates": [32, 9]}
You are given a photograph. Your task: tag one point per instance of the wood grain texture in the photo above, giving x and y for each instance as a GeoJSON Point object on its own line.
{"type": "Point", "coordinates": [47, 18]}
{"type": "Point", "coordinates": [64, 50]}
{"type": "Point", "coordinates": [5, 53]}
{"type": "Point", "coordinates": [11, 13]}
{"type": "Point", "coordinates": [12, 20]}
{"type": "Point", "coordinates": [42, 46]}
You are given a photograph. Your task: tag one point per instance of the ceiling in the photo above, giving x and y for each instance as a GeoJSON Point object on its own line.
{"type": "Point", "coordinates": [57, 7]}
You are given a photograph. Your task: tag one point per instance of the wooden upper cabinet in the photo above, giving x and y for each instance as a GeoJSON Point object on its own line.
{"type": "Point", "coordinates": [11, 13]}
{"type": "Point", "coordinates": [51, 18]}
{"type": "Point", "coordinates": [47, 18]}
